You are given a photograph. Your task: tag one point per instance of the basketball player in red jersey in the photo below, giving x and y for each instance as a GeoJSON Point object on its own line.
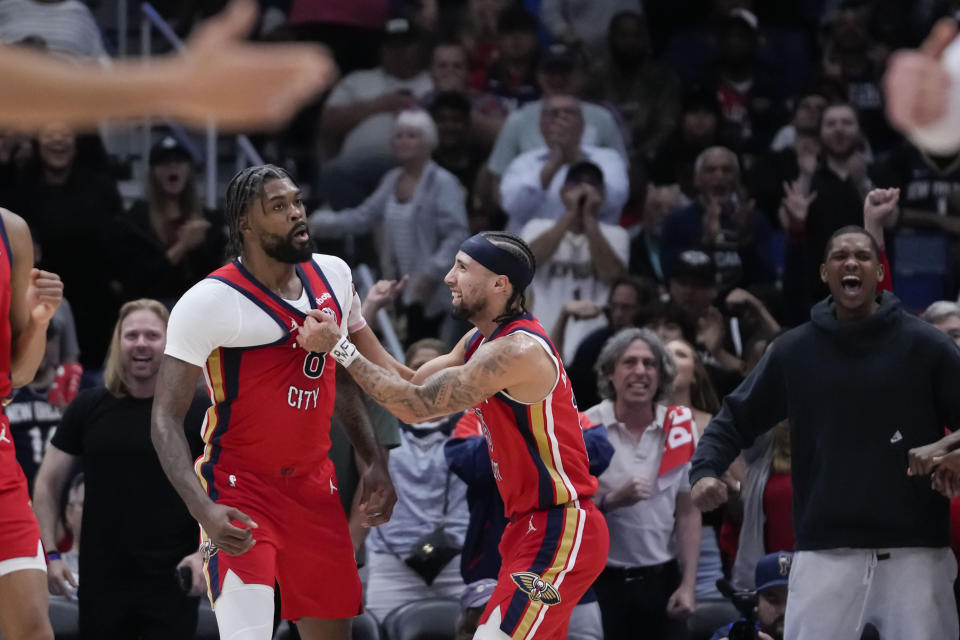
{"type": "Point", "coordinates": [265, 492]}
{"type": "Point", "coordinates": [29, 298]}
{"type": "Point", "coordinates": [509, 372]}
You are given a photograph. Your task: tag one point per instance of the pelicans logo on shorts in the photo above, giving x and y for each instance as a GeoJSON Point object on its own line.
{"type": "Point", "coordinates": [536, 587]}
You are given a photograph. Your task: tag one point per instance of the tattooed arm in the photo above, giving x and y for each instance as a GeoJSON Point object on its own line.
{"type": "Point", "coordinates": [516, 362]}
{"type": "Point", "coordinates": [176, 386]}
{"type": "Point", "coordinates": [376, 492]}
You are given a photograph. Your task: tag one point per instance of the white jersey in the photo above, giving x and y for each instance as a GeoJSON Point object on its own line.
{"type": "Point", "coordinates": [213, 314]}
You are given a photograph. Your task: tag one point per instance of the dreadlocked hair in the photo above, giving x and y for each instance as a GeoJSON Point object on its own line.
{"type": "Point", "coordinates": [515, 246]}
{"type": "Point", "coordinates": [246, 185]}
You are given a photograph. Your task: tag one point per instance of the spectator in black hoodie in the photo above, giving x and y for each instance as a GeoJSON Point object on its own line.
{"type": "Point", "coordinates": [862, 384]}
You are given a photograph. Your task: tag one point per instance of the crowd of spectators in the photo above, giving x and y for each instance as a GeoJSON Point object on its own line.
{"type": "Point", "coordinates": [677, 170]}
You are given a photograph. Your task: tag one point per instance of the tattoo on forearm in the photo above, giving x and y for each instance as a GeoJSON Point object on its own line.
{"type": "Point", "coordinates": [352, 413]}
{"type": "Point", "coordinates": [441, 394]}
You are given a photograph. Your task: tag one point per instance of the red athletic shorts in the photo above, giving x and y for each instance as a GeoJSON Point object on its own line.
{"type": "Point", "coordinates": [550, 559]}
{"type": "Point", "coordinates": [302, 540]}
{"type": "Point", "coordinates": [19, 533]}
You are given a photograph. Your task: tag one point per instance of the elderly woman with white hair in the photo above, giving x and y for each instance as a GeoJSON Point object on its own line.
{"type": "Point", "coordinates": [422, 208]}
{"type": "Point", "coordinates": [945, 316]}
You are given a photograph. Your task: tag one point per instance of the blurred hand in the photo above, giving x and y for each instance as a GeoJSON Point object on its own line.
{"type": "Point", "coordinates": [631, 492]}
{"type": "Point", "coordinates": [711, 220]}
{"type": "Point", "coordinates": [193, 232]}
{"type": "Point", "coordinates": [923, 460]}
{"type": "Point", "coordinates": [60, 578]}
{"type": "Point", "coordinates": [682, 602]}
{"type": "Point", "coordinates": [946, 482]}
{"type": "Point", "coordinates": [740, 298]}
{"type": "Point", "coordinates": [382, 293]}
{"type": "Point", "coordinates": [710, 330]}
{"type": "Point", "coordinates": [708, 494]}
{"type": "Point", "coordinates": [44, 294]}
{"type": "Point", "coordinates": [394, 101]}
{"type": "Point", "coordinates": [198, 586]}
{"type": "Point", "coordinates": [582, 309]}
{"type": "Point", "coordinates": [377, 495]}
{"type": "Point", "coordinates": [879, 205]}
{"type": "Point", "coordinates": [916, 86]}
{"type": "Point", "coordinates": [242, 85]}
{"type": "Point", "coordinates": [796, 202]}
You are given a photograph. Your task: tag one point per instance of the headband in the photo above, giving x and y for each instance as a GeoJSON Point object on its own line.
{"type": "Point", "coordinates": [498, 261]}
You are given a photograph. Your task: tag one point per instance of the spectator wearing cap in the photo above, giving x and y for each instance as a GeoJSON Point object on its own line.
{"type": "Point", "coordinates": [167, 240]}
{"type": "Point", "coordinates": [512, 75]}
{"type": "Point", "coordinates": [532, 183]}
{"type": "Point", "coordinates": [650, 579]}
{"type": "Point", "coordinates": [578, 257]}
{"type": "Point", "coordinates": [584, 23]}
{"type": "Point", "coordinates": [645, 94]}
{"type": "Point", "coordinates": [561, 73]}
{"type": "Point", "coordinates": [722, 222]}
{"type": "Point", "coordinates": [359, 114]}
{"type": "Point", "coordinates": [421, 206]}
{"type": "Point", "coordinates": [772, 578]}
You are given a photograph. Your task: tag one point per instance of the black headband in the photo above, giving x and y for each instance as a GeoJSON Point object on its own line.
{"type": "Point", "coordinates": [498, 261]}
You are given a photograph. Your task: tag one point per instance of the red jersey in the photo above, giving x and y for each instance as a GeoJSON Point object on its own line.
{"type": "Point", "coordinates": [271, 403]}
{"type": "Point", "coordinates": [10, 472]}
{"type": "Point", "coordinates": [537, 452]}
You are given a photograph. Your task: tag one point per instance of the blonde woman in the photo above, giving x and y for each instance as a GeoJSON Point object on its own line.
{"type": "Point", "coordinates": [136, 531]}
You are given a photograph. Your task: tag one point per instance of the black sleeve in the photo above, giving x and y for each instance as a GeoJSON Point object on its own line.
{"type": "Point", "coordinates": [69, 434]}
{"type": "Point", "coordinates": [753, 408]}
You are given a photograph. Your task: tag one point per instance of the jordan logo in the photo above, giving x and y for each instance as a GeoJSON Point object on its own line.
{"type": "Point", "coordinates": [333, 487]}
{"type": "Point", "coordinates": [293, 325]}
{"type": "Point", "coordinates": [232, 480]}
{"type": "Point", "coordinates": [530, 526]}
{"type": "Point", "coordinates": [896, 437]}
{"type": "Point", "coordinates": [3, 435]}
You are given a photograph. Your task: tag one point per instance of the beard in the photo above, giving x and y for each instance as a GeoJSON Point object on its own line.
{"type": "Point", "coordinates": [465, 311]}
{"type": "Point", "coordinates": [285, 249]}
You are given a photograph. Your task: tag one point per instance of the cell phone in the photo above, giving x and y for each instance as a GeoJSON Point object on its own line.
{"type": "Point", "coordinates": [185, 578]}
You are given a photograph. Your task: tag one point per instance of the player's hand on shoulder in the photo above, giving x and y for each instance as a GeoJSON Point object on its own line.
{"type": "Point", "coordinates": [377, 495]}
{"type": "Point", "coordinates": [320, 332]}
{"type": "Point", "coordinates": [708, 493]}
{"type": "Point", "coordinates": [44, 294]}
{"type": "Point", "coordinates": [218, 523]}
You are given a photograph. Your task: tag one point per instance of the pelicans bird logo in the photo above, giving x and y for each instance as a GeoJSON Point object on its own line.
{"type": "Point", "coordinates": [536, 587]}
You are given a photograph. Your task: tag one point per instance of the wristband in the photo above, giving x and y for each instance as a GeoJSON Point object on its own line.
{"type": "Point", "coordinates": [52, 555]}
{"type": "Point", "coordinates": [345, 353]}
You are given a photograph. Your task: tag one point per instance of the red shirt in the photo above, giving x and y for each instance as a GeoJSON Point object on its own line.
{"type": "Point", "coordinates": [778, 509]}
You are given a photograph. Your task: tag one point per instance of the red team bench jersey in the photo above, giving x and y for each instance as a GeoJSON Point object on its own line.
{"type": "Point", "coordinates": [271, 400]}
{"type": "Point", "coordinates": [536, 450]}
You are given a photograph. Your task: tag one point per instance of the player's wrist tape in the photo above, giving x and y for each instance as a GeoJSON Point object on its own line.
{"type": "Point", "coordinates": [345, 353]}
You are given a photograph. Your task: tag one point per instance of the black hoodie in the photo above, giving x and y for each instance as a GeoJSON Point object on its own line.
{"type": "Point", "coordinates": [859, 395]}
